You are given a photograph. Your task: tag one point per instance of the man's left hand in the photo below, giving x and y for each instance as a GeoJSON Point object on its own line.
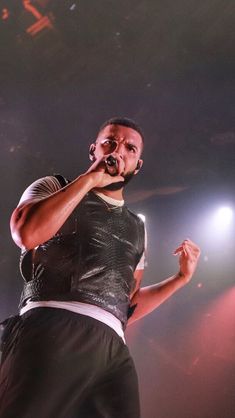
{"type": "Point", "coordinates": [189, 254]}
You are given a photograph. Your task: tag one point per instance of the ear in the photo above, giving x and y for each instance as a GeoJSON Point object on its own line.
{"type": "Point", "coordinates": [138, 166]}
{"type": "Point", "coordinates": [92, 152]}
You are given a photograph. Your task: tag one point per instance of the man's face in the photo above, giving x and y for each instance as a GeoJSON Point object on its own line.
{"type": "Point", "coordinates": [123, 141]}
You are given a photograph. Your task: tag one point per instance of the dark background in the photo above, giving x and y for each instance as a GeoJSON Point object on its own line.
{"type": "Point", "coordinates": [65, 67]}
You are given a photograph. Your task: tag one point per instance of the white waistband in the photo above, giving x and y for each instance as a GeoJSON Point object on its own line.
{"type": "Point", "coordinates": [82, 308]}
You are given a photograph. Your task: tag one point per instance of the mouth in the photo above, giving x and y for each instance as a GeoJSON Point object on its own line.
{"type": "Point", "coordinates": [113, 166]}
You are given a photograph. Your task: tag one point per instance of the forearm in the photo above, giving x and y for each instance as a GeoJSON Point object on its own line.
{"type": "Point", "coordinates": [149, 298]}
{"type": "Point", "coordinates": [36, 222]}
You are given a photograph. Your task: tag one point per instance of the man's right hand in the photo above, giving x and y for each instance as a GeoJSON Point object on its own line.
{"type": "Point", "coordinates": [99, 175]}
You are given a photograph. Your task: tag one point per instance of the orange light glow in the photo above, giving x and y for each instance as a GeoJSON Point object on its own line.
{"type": "Point", "coordinates": [5, 14]}
{"type": "Point", "coordinates": [32, 9]}
{"type": "Point", "coordinates": [39, 25]}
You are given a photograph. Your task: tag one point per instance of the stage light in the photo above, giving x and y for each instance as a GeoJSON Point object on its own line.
{"type": "Point", "coordinates": [217, 225]}
{"type": "Point", "coordinates": [223, 217]}
{"type": "Point", "coordinates": [141, 216]}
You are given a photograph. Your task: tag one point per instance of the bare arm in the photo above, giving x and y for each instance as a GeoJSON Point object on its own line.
{"type": "Point", "coordinates": [149, 298]}
{"type": "Point", "coordinates": [36, 221]}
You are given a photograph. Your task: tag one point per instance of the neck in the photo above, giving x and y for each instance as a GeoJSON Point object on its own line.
{"type": "Point", "coordinates": [115, 194]}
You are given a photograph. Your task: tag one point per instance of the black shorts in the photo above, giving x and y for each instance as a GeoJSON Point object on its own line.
{"type": "Point", "coordinates": [59, 364]}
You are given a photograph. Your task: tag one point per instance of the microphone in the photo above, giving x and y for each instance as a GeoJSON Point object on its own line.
{"type": "Point", "coordinates": [111, 161]}
{"type": "Point", "coordinates": [111, 165]}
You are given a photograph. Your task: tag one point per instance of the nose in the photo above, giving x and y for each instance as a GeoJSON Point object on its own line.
{"type": "Point", "coordinates": [118, 148]}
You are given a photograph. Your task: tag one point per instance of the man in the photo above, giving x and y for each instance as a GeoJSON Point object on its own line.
{"type": "Point", "coordinates": [82, 262]}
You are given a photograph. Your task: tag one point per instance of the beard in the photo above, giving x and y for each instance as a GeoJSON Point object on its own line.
{"type": "Point", "coordinates": [120, 184]}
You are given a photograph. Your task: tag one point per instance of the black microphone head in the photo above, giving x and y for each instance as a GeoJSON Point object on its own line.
{"type": "Point", "coordinates": [111, 161]}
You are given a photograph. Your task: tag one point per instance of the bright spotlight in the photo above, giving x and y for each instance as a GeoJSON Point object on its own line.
{"type": "Point", "coordinates": [141, 216]}
{"type": "Point", "coordinates": [223, 217]}
{"type": "Point", "coordinates": [218, 225]}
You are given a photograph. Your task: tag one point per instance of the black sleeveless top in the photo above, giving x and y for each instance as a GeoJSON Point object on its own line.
{"type": "Point", "coordinates": [91, 259]}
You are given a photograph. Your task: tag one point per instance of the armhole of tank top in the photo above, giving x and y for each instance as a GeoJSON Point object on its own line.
{"type": "Point", "coordinates": [26, 264]}
{"type": "Point", "coordinates": [26, 259]}
{"type": "Point", "coordinates": [62, 180]}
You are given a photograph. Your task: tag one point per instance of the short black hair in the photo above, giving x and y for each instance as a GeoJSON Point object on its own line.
{"type": "Point", "coordinates": [123, 121]}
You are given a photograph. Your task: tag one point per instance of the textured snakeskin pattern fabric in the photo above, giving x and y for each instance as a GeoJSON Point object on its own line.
{"type": "Point", "coordinates": [91, 259]}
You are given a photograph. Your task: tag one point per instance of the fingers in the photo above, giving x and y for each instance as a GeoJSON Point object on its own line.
{"type": "Point", "coordinates": [189, 254]}
{"type": "Point", "coordinates": [188, 248]}
{"type": "Point", "coordinates": [100, 165]}
{"type": "Point", "coordinates": [103, 176]}
{"type": "Point", "coordinates": [108, 177]}
{"type": "Point", "coordinates": [116, 179]}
